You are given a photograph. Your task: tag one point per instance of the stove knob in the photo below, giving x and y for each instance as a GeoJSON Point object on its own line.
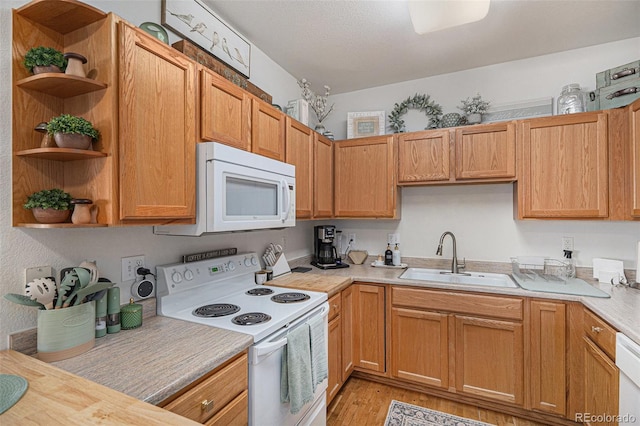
{"type": "Point", "coordinates": [176, 277]}
{"type": "Point", "coordinates": [188, 274]}
{"type": "Point", "coordinates": [231, 266]}
{"type": "Point", "coordinates": [247, 262]}
{"type": "Point", "coordinates": [254, 260]}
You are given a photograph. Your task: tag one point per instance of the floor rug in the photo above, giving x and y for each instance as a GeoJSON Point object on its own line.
{"type": "Point", "coordinates": [402, 414]}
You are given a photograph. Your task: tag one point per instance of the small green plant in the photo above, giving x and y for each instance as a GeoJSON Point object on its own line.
{"type": "Point", "coordinates": [474, 105]}
{"type": "Point", "coordinates": [55, 199]}
{"type": "Point", "coordinates": [43, 57]}
{"type": "Point", "coordinates": [66, 123]}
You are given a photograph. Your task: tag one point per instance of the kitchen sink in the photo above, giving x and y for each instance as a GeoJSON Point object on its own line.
{"type": "Point", "coordinates": [469, 278]}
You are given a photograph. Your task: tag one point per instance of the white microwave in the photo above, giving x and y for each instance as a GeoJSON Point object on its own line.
{"type": "Point", "coordinates": [239, 191]}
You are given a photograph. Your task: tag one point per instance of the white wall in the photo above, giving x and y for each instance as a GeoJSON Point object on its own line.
{"type": "Point", "coordinates": [21, 248]}
{"type": "Point", "coordinates": [534, 78]}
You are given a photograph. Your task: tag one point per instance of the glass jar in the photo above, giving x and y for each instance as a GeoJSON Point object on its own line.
{"type": "Point", "coordinates": [572, 100]}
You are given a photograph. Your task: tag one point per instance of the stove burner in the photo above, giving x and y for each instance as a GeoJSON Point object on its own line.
{"type": "Point", "coordinates": [216, 310]}
{"type": "Point", "coordinates": [259, 291]}
{"type": "Point", "coordinates": [251, 318]}
{"type": "Point", "coordinates": [290, 297]}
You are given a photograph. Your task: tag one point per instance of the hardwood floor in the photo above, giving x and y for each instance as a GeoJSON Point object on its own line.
{"type": "Point", "coordinates": [361, 402]}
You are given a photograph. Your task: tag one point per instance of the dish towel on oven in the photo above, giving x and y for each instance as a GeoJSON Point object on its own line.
{"type": "Point", "coordinates": [295, 378]}
{"type": "Point", "coordinates": [319, 364]}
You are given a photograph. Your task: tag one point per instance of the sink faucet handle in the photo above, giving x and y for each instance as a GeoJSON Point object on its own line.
{"type": "Point", "coordinates": [463, 264]}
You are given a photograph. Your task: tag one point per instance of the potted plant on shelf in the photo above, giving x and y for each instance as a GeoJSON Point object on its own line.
{"type": "Point", "coordinates": [49, 205]}
{"type": "Point", "coordinates": [473, 108]}
{"type": "Point", "coordinates": [44, 59]}
{"type": "Point", "coordinates": [70, 131]}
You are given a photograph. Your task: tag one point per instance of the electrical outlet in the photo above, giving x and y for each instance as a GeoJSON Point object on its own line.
{"type": "Point", "coordinates": [130, 265]}
{"type": "Point", "coordinates": [567, 243]}
{"type": "Point", "coordinates": [38, 272]}
{"type": "Point", "coordinates": [393, 238]}
{"type": "Point", "coordinates": [351, 238]}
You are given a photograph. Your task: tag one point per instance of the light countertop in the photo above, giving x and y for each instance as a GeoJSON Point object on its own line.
{"type": "Point", "coordinates": [621, 310]}
{"type": "Point", "coordinates": [157, 360]}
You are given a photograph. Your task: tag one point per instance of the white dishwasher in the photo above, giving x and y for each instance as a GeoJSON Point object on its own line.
{"type": "Point", "coordinates": [628, 361]}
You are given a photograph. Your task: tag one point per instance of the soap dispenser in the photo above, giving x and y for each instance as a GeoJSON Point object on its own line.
{"type": "Point", "coordinates": [396, 256]}
{"type": "Point", "coordinates": [388, 256]}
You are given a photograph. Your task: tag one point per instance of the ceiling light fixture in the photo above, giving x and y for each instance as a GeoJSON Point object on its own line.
{"type": "Point", "coordinates": [434, 15]}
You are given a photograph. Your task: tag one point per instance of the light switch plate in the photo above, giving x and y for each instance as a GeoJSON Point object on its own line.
{"type": "Point", "coordinates": [37, 272]}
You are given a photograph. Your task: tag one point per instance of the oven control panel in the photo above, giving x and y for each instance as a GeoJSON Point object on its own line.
{"type": "Point", "coordinates": [178, 277]}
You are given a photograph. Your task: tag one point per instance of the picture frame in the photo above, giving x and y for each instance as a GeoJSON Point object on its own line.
{"type": "Point", "coordinates": [194, 21]}
{"type": "Point", "coordinates": [363, 124]}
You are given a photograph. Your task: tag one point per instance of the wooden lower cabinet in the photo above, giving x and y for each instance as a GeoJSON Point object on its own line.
{"type": "Point", "coordinates": [347, 312]}
{"type": "Point", "coordinates": [335, 348]}
{"type": "Point", "coordinates": [547, 354]}
{"type": "Point", "coordinates": [340, 357]}
{"type": "Point", "coordinates": [489, 358]}
{"type": "Point", "coordinates": [601, 383]}
{"type": "Point", "coordinates": [420, 346]}
{"type": "Point", "coordinates": [369, 327]}
{"type": "Point", "coordinates": [221, 398]}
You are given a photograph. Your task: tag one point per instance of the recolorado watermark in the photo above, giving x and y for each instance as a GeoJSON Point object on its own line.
{"type": "Point", "coordinates": [605, 418]}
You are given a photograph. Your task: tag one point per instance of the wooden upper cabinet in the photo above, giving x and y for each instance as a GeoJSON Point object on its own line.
{"type": "Point", "coordinates": [423, 157]}
{"type": "Point", "coordinates": [157, 140]}
{"type": "Point", "coordinates": [634, 111]}
{"type": "Point", "coordinates": [225, 111]}
{"type": "Point", "coordinates": [299, 152]}
{"type": "Point", "coordinates": [267, 130]}
{"type": "Point", "coordinates": [365, 184]}
{"type": "Point", "coordinates": [322, 177]}
{"type": "Point", "coordinates": [486, 151]}
{"type": "Point", "coordinates": [563, 169]}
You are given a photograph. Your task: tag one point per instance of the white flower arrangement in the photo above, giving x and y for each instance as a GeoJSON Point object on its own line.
{"type": "Point", "coordinates": [474, 105]}
{"type": "Point", "coordinates": [317, 103]}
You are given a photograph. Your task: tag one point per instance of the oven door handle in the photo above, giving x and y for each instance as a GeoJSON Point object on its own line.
{"type": "Point", "coordinates": [267, 348]}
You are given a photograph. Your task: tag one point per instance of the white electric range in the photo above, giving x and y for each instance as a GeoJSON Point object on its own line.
{"type": "Point", "coordinates": [222, 293]}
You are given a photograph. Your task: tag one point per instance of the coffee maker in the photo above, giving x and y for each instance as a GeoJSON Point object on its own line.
{"type": "Point", "coordinates": [325, 255]}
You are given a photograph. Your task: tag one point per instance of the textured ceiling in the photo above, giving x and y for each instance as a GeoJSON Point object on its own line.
{"type": "Point", "coordinates": [352, 45]}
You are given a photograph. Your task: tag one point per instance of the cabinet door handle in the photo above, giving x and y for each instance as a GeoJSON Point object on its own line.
{"type": "Point", "coordinates": [206, 405]}
{"type": "Point", "coordinates": [596, 329]}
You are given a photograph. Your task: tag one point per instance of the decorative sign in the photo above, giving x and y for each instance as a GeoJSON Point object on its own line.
{"type": "Point", "coordinates": [195, 21]}
{"type": "Point", "coordinates": [363, 124]}
{"type": "Point", "coordinates": [212, 254]}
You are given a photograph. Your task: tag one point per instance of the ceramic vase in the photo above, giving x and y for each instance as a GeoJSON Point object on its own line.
{"type": "Point", "coordinates": [474, 118]}
{"type": "Point", "coordinates": [75, 63]}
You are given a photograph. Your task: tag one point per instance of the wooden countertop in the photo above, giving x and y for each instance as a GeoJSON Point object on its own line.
{"type": "Point", "coordinates": [56, 397]}
{"type": "Point", "coordinates": [312, 282]}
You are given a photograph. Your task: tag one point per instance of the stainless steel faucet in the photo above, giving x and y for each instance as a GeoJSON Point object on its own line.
{"type": "Point", "coordinates": [455, 266]}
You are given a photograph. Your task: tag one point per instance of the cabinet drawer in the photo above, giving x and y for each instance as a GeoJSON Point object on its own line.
{"type": "Point", "coordinates": [219, 389]}
{"type": "Point", "coordinates": [236, 413]}
{"type": "Point", "coordinates": [335, 306]}
{"type": "Point", "coordinates": [491, 306]}
{"type": "Point", "coordinates": [601, 333]}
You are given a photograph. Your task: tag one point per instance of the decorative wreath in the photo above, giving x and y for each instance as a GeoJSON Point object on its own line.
{"type": "Point", "coordinates": [420, 102]}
